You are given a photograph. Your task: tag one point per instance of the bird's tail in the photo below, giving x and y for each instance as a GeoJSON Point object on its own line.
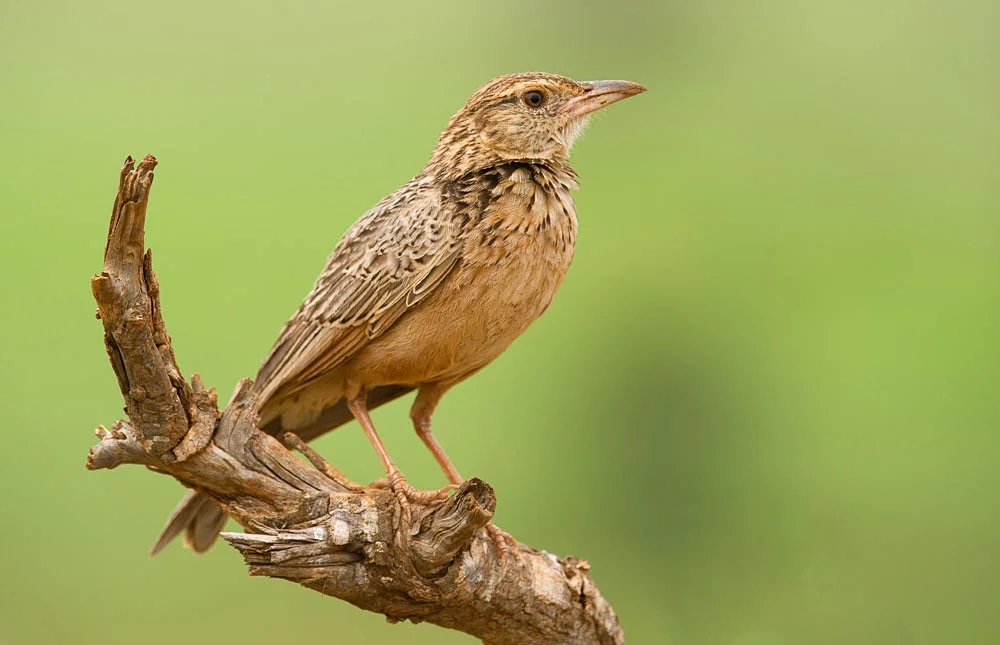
{"type": "Point", "coordinates": [201, 519]}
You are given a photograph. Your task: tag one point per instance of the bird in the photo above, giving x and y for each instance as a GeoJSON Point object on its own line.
{"type": "Point", "coordinates": [434, 282]}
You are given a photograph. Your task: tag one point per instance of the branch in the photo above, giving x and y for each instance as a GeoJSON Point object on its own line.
{"type": "Point", "coordinates": [304, 522]}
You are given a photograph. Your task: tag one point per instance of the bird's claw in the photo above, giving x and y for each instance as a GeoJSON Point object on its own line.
{"type": "Point", "coordinates": [503, 541]}
{"type": "Point", "coordinates": [406, 493]}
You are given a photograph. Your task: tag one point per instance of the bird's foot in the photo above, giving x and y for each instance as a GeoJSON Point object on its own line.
{"type": "Point", "coordinates": [502, 540]}
{"type": "Point", "coordinates": [406, 493]}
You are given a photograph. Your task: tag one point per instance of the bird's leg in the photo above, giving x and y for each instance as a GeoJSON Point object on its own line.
{"type": "Point", "coordinates": [423, 409]}
{"type": "Point", "coordinates": [404, 492]}
{"type": "Point", "coordinates": [421, 413]}
{"type": "Point", "coordinates": [423, 428]}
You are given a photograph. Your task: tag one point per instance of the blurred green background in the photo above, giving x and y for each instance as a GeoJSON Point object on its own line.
{"type": "Point", "coordinates": [764, 405]}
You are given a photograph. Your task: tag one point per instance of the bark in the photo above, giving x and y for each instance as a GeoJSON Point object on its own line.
{"type": "Point", "coordinates": [302, 524]}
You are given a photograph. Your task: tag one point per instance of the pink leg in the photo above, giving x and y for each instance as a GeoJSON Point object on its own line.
{"type": "Point", "coordinates": [404, 492]}
{"type": "Point", "coordinates": [423, 409]}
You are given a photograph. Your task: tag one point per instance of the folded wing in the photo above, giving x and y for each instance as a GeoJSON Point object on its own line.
{"type": "Point", "coordinates": [391, 259]}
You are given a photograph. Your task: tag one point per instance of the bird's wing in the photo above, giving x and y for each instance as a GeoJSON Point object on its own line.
{"type": "Point", "coordinates": [391, 259]}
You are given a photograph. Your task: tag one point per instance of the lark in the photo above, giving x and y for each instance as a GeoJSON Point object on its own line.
{"type": "Point", "coordinates": [434, 282]}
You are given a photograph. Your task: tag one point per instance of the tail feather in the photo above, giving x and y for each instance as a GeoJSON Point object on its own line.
{"type": "Point", "coordinates": [201, 518]}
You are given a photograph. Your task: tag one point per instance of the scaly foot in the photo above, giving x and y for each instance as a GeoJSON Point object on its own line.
{"type": "Point", "coordinates": [406, 493]}
{"type": "Point", "coordinates": [502, 540]}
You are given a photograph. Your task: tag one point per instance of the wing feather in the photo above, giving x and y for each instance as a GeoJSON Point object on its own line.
{"type": "Point", "coordinates": [392, 258]}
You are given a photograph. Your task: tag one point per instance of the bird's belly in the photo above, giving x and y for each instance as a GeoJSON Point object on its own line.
{"type": "Point", "coordinates": [499, 307]}
{"type": "Point", "coordinates": [466, 323]}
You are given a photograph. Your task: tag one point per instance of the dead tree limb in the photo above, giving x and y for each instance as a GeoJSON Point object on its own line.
{"type": "Point", "coordinates": [301, 524]}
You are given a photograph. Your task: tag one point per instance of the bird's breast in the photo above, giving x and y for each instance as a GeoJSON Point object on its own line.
{"type": "Point", "coordinates": [513, 263]}
{"type": "Point", "coordinates": [514, 256]}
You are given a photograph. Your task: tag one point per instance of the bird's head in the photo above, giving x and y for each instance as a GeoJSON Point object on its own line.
{"type": "Point", "coordinates": [523, 117]}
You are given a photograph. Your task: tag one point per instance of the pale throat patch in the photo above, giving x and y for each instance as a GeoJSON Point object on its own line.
{"type": "Point", "coordinates": [573, 130]}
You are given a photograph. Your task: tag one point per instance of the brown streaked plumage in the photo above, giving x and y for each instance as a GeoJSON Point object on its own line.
{"type": "Point", "coordinates": [435, 281]}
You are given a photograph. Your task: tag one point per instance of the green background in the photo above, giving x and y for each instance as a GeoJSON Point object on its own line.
{"type": "Point", "coordinates": [764, 405]}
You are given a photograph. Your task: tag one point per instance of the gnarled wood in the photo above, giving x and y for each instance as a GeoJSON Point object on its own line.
{"type": "Point", "coordinates": [306, 523]}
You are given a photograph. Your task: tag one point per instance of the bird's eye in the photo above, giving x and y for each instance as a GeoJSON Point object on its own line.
{"type": "Point", "coordinates": [533, 99]}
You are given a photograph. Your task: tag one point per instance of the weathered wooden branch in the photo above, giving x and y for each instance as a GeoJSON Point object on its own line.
{"type": "Point", "coordinates": [302, 525]}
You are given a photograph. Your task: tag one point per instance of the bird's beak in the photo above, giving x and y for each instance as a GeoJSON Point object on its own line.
{"type": "Point", "coordinates": [598, 94]}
